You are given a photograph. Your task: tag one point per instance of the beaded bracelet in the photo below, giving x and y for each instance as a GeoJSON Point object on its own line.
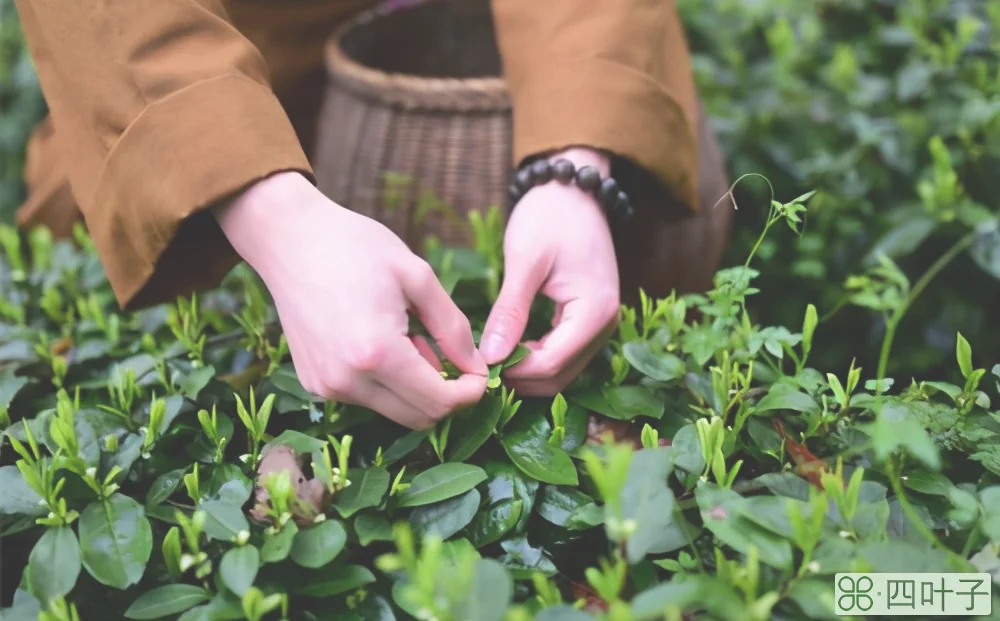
{"type": "Point", "coordinates": [609, 196]}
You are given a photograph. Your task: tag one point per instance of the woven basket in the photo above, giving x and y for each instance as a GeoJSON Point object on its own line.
{"type": "Point", "coordinates": [416, 110]}
{"type": "Point", "coordinates": [415, 129]}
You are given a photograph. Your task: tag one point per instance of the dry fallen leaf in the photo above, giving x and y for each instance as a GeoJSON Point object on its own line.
{"type": "Point", "coordinates": [806, 464]}
{"type": "Point", "coordinates": [310, 492]}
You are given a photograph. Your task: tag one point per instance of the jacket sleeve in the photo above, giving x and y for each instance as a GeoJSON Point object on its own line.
{"type": "Point", "coordinates": [608, 74]}
{"type": "Point", "coordinates": [162, 109]}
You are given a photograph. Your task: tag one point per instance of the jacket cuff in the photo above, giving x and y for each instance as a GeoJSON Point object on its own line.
{"type": "Point", "coordinates": [604, 105]}
{"type": "Point", "coordinates": [181, 156]}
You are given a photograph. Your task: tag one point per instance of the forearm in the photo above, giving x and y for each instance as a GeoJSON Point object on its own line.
{"type": "Point", "coordinates": [615, 77]}
{"type": "Point", "coordinates": [164, 109]}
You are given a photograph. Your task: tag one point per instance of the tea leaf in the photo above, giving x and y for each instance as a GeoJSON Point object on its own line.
{"type": "Point", "coordinates": [447, 517]}
{"type": "Point", "coordinates": [315, 546]}
{"type": "Point", "coordinates": [440, 483]}
{"type": "Point", "coordinates": [368, 488]}
{"type": "Point", "coordinates": [54, 564]}
{"type": "Point", "coordinates": [164, 601]}
{"type": "Point", "coordinates": [238, 568]}
{"type": "Point", "coordinates": [116, 540]}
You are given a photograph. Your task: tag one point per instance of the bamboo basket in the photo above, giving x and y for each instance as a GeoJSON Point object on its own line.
{"type": "Point", "coordinates": [416, 132]}
{"type": "Point", "coordinates": [415, 129]}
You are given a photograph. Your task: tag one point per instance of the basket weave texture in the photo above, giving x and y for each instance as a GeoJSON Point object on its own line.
{"type": "Point", "coordinates": [415, 129]}
{"type": "Point", "coordinates": [416, 110]}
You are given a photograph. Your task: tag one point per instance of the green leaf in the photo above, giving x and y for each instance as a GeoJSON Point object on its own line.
{"type": "Point", "coordinates": [658, 366]}
{"type": "Point", "coordinates": [164, 486]}
{"type": "Point", "coordinates": [489, 594]}
{"type": "Point", "coordinates": [815, 598]}
{"type": "Point", "coordinates": [990, 522]}
{"type": "Point", "coordinates": [334, 580]}
{"type": "Point", "coordinates": [472, 427]}
{"type": "Point", "coordinates": [507, 482]}
{"type": "Point", "coordinates": [195, 381]}
{"type": "Point", "coordinates": [686, 447]}
{"type": "Point", "coordinates": [372, 527]}
{"type": "Point", "coordinates": [562, 612]}
{"type": "Point", "coordinates": [297, 441]}
{"type": "Point", "coordinates": [224, 518]}
{"type": "Point", "coordinates": [526, 443]}
{"type": "Point", "coordinates": [277, 546]}
{"type": "Point", "coordinates": [540, 460]}
{"type": "Point", "coordinates": [963, 351]}
{"type": "Point", "coordinates": [285, 380]}
{"type": "Point", "coordinates": [227, 483]}
{"type": "Point", "coordinates": [523, 559]}
{"type": "Point", "coordinates": [786, 397]}
{"type": "Point", "coordinates": [10, 385]}
{"type": "Point", "coordinates": [116, 540]}
{"type": "Point", "coordinates": [622, 402]}
{"type": "Point", "coordinates": [238, 568]}
{"type": "Point", "coordinates": [899, 556]}
{"type": "Point", "coordinates": [647, 500]}
{"type": "Point", "coordinates": [447, 517]}
{"type": "Point", "coordinates": [54, 564]}
{"type": "Point", "coordinates": [18, 498]}
{"type": "Point", "coordinates": [717, 598]}
{"type": "Point", "coordinates": [166, 601]}
{"type": "Point", "coordinates": [367, 488]}
{"type": "Point", "coordinates": [557, 504]}
{"type": "Point", "coordinates": [722, 513]}
{"type": "Point", "coordinates": [403, 446]}
{"type": "Point", "coordinates": [889, 434]}
{"type": "Point", "coordinates": [124, 458]}
{"type": "Point", "coordinates": [440, 483]}
{"type": "Point", "coordinates": [809, 327]}
{"type": "Point", "coordinates": [317, 545]}
{"type": "Point", "coordinates": [491, 525]}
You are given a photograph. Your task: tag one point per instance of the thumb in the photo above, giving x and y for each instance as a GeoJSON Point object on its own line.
{"type": "Point", "coordinates": [509, 317]}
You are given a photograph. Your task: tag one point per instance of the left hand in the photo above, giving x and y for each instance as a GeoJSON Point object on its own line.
{"type": "Point", "coordinates": [557, 243]}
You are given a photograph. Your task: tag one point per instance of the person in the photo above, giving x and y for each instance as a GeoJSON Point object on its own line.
{"type": "Point", "coordinates": [178, 130]}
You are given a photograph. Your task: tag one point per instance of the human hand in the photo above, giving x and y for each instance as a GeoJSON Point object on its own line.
{"type": "Point", "coordinates": [558, 243]}
{"type": "Point", "coordinates": [342, 284]}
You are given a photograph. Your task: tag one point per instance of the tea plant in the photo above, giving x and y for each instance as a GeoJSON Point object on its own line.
{"type": "Point", "coordinates": [890, 109]}
{"type": "Point", "coordinates": [174, 467]}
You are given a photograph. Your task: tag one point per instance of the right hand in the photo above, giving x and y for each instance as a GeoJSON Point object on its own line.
{"type": "Point", "coordinates": [342, 284]}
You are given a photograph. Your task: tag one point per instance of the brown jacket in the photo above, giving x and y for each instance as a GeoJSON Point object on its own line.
{"type": "Point", "coordinates": [161, 108]}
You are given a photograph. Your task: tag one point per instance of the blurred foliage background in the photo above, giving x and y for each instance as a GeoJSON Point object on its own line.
{"type": "Point", "coordinates": [889, 108]}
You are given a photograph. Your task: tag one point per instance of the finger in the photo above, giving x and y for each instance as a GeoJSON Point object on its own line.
{"type": "Point", "coordinates": [427, 351]}
{"type": "Point", "coordinates": [549, 387]}
{"type": "Point", "coordinates": [442, 318]}
{"type": "Point", "coordinates": [586, 322]}
{"type": "Point", "coordinates": [509, 316]}
{"type": "Point", "coordinates": [405, 372]}
{"type": "Point", "coordinates": [371, 394]}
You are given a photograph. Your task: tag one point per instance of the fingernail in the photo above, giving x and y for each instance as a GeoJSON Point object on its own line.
{"type": "Point", "coordinates": [492, 348]}
{"type": "Point", "coordinates": [481, 367]}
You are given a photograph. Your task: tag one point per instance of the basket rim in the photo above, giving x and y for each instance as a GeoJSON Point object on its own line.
{"type": "Point", "coordinates": [409, 91]}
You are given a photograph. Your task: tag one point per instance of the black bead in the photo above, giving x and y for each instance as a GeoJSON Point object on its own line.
{"type": "Point", "coordinates": [589, 179]}
{"type": "Point", "coordinates": [513, 193]}
{"type": "Point", "coordinates": [563, 170]}
{"type": "Point", "coordinates": [623, 215]}
{"type": "Point", "coordinates": [623, 208]}
{"type": "Point", "coordinates": [524, 179]}
{"type": "Point", "coordinates": [608, 194]}
{"type": "Point", "coordinates": [541, 170]}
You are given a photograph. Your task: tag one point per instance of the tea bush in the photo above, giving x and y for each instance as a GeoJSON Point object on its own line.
{"type": "Point", "coordinates": [724, 457]}
{"type": "Point", "coordinates": [890, 109]}
{"type": "Point", "coordinates": [700, 468]}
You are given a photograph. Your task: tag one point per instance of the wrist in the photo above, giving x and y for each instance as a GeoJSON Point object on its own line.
{"type": "Point", "coordinates": [254, 220]}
